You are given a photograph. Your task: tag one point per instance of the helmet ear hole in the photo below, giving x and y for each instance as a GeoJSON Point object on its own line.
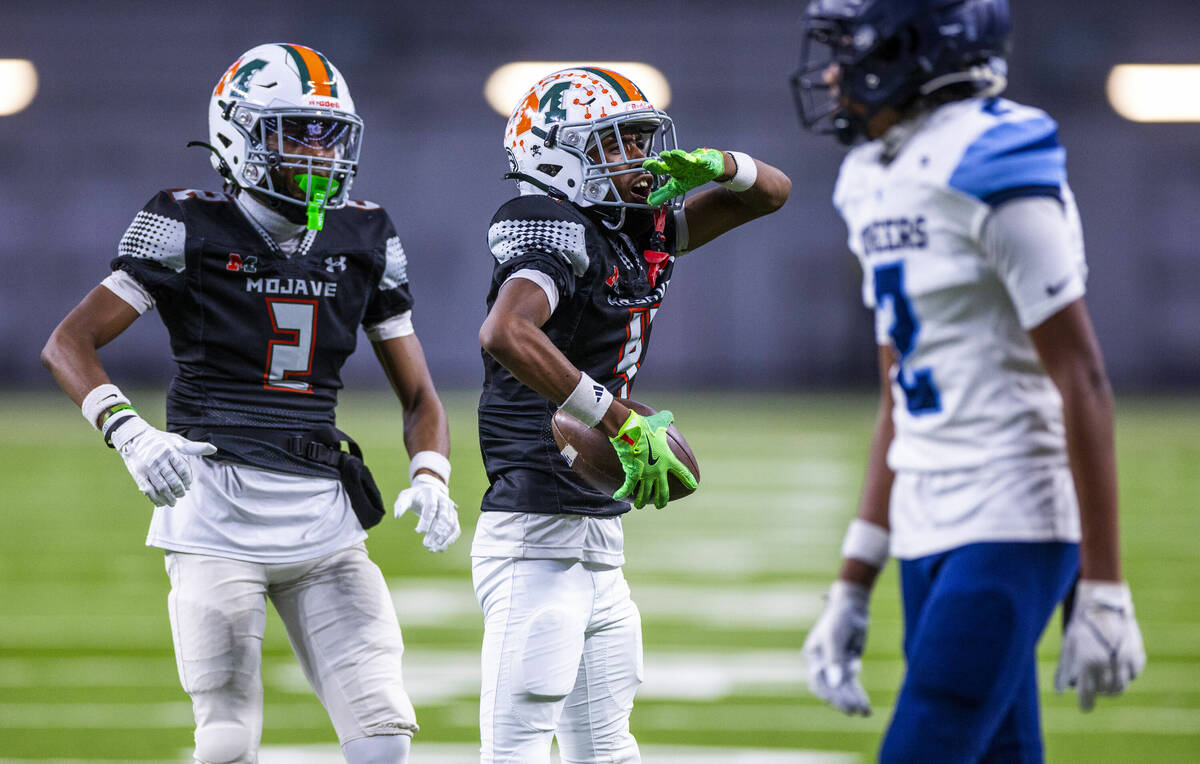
{"type": "Point", "coordinates": [550, 169]}
{"type": "Point", "coordinates": [224, 140]}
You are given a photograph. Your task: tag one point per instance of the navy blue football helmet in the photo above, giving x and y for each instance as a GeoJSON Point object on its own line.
{"type": "Point", "coordinates": [858, 57]}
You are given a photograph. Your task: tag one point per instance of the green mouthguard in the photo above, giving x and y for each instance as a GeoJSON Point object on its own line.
{"type": "Point", "coordinates": [321, 188]}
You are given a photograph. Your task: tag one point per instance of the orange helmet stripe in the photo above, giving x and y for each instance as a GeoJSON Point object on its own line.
{"type": "Point", "coordinates": [627, 90]}
{"type": "Point", "coordinates": [315, 75]}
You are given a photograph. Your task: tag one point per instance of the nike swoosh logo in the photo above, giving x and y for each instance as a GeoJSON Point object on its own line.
{"type": "Point", "coordinates": [651, 459]}
{"type": "Point", "coordinates": [1058, 286]}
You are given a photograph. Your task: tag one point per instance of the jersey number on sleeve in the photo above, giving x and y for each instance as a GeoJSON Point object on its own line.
{"type": "Point", "coordinates": [291, 357]}
{"type": "Point", "coordinates": [920, 393]}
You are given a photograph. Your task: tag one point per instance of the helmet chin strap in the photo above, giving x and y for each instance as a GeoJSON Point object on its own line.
{"type": "Point", "coordinates": [222, 167]}
{"type": "Point", "coordinates": [546, 187]}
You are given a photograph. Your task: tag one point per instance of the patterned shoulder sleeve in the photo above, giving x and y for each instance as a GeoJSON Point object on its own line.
{"type": "Point", "coordinates": [392, 297]}
{"type": "Point", "coordinates": [539, 225]}
{"type": "Point", "coordinates": [157, 234]}
{"type": "Point", "coordinates": [152, 248]}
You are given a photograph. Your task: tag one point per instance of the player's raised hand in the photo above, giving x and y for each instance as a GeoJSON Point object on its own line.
{"type": "Point", "coordinates": [157, 460]}
{"type": "Point", "coordinates": [647, 459]}
{"type": "Point", "coordinates": [834, 647]}
{"type": "Point", "coordinates": [437, 514]}
{"type": "Point", "coordinates": [685, 169]}
{"type": "Point", "coordinates": [1102, 648]}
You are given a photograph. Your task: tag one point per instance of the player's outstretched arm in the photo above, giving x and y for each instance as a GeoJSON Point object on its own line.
{"type": "Point", "coordinates": [750, 189]}
{"type": "Point", "coordinates": [834, 646]}
{"type": "Point", "coordinates": [1102, 647]}
{"type": "Point", "coordinates": [427, 439]}
{"type": "Point", "coordinates": [156, 460]}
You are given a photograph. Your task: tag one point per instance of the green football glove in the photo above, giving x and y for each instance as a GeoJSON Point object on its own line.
{"type": "Point", "coordinates": [647, 459]}
{"type": "Point", "coordinates": [686, 170]}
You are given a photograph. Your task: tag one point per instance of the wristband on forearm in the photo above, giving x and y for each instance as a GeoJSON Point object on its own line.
{"type": "Point", "coordinates": [429, 460]}
{"type": "Point", "coordinates": [746, 175]}
{"type": "Point", "coordinates": [116, 421]}
{"type": "Point", "coordinates": [588, 402]}
{"type": "Point", "coordinates": [867, 543]}
{"type": "Point", "coordinates": [100, 399]}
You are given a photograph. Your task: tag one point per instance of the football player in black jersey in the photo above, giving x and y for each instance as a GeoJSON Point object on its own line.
{"type": "Point", "coordinates": [583, 258]}
{"type": "Point", "coordinates": [262, 289]}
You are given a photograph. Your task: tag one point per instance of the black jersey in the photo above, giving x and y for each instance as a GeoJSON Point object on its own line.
{"type": "Point", "coordinates": [601, 324]}
{"type": "Point", "coordinates": [260, 337]}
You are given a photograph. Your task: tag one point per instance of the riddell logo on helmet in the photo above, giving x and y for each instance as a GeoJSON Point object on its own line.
{"type": "Point", "coordinates": [311, 101]}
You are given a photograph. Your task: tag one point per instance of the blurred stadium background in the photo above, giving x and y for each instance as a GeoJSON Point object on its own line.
{"type": "Point", "coordinates": [763, 325]}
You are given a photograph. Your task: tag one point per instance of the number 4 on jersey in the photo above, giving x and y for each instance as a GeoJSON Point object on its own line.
{"type": "Point", "coordinates": [920, 393]}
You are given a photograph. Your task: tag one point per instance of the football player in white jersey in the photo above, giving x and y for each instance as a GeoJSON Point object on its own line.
{"type": "Point", "coordinates": [992, 474]}
{"type": "Point", "coordinates": [262, 288]}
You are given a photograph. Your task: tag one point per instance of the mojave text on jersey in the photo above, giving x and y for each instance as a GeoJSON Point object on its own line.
{"type": "Point", "coordinates": [307, 287]}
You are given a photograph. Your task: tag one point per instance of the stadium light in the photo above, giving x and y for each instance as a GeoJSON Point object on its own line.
{"type": "Point", "coordinates": [1155, 92]}
{"type": "Point", "coordinates": [508, 83]}
{"type": "Point", "coordinates": [18, 85]}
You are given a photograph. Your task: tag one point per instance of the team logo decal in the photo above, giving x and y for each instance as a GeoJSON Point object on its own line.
{"type": "Point", "coordinates": [237, 79]}
{"type": "Point", "coordinates": [335, 264]}
{"type": "Point", "coordinates": [243, 263]}
{"type": "Point", "coordinates": [612, 280]}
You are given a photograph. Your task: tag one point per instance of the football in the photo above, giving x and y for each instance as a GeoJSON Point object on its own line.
{"type": "Point", "coordinates": [594, 459]}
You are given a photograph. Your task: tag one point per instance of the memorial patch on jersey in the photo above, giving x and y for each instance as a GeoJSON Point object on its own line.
{"type": "Point", "coordinates": [395, 272]}
{"type": "Point", "coordinates": [1013, 159]}
{"type": "Point", "coordinates": [155, 237]}
{"type": "Point", "coordinates": [564, 238]}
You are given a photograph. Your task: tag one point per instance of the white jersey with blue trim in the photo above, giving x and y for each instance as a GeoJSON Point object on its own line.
{"type": "Point", "coordinates": [968, 387]}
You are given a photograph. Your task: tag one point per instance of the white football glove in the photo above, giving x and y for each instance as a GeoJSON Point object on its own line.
{"type": "Point", "coordinates": [437, 516]}
{"type": "Point", "coordinates": [834, 647]}
{"type": "Point", "coordinates": [1102, 647]}
{"type": "Point", "coordinates": [157, 460]}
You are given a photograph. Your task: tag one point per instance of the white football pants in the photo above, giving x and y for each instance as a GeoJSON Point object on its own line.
{"type": "Point", "coordinates": [562, 655]}
{"type": "Point", "coordinates": [340, 621]}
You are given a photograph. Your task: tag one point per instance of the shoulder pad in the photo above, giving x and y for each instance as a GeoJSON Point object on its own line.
{"type": "Point", "coordinates": [158, 232]}
{"type": "Point", "coordinates": [539, 224]}
{"type": "Point", "coordinates": [1017, 155]}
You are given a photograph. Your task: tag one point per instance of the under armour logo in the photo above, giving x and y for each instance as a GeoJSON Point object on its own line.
{"type": "Point", "coordinates": [333, 264]}
{"type": "Point", "coordinates": [599, 391]}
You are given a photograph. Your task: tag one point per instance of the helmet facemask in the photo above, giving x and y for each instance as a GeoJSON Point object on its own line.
{"type": "Point", "coordinates": [300, 157]}
{"type": "Point", "coordinates": [603, 150]}
{"type": "Point", "coordinates": [846, 77]}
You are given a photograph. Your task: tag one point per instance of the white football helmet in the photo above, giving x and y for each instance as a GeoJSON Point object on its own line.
{"type": "Point", "coordinates": [553, 135]}
{"type": "Point", "coordinates": [278, 97]}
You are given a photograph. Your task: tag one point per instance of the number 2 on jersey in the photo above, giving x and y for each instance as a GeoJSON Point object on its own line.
{"type": "Point", "coordinates": [291, 357]}
{"type": "Point", "coordinates": [920, 393]}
